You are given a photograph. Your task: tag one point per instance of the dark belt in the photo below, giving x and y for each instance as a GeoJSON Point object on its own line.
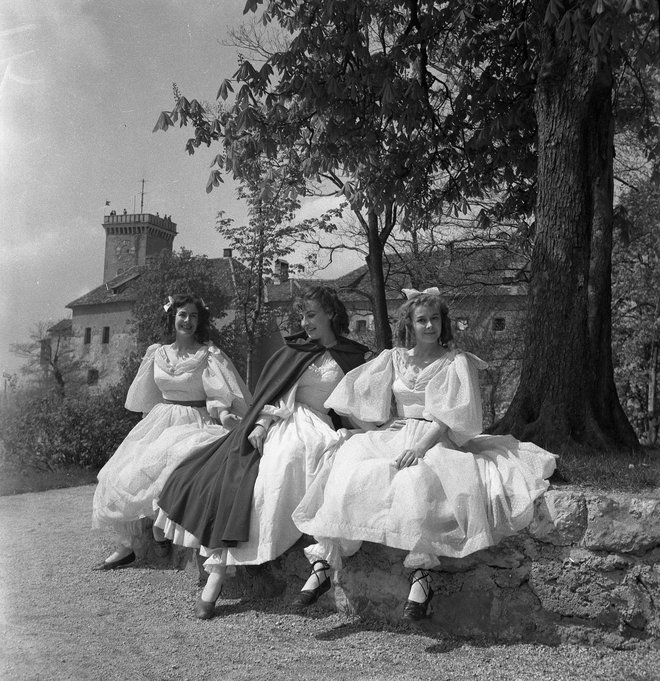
{"type": "Point", "coordinates": [187, 403]}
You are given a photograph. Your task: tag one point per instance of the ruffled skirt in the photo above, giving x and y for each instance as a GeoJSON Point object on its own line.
{"type": "Point", "coordinates": [454, 502]}
{"type": "Point", "coordinates": [294, 451]}
{"type": "Point", "coordinates": [135, 474]}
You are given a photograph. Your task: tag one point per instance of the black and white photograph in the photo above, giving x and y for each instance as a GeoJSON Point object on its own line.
{"type": "Point", "coordinates": [329, 338]}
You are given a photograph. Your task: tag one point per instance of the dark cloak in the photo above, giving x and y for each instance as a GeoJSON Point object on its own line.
{"type": "Point", "coordinates": [210, 494]}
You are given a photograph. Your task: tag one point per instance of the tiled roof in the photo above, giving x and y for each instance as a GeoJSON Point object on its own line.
{"type": "Point", "coordinates": [461, 270]}
{"type": "Point", "coordinates": [63, 328]}
{"type": "Point", "coordinates": [122, 288]}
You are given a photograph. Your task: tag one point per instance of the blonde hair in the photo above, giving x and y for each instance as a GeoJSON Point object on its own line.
{"type": "Point", "coordinates": [404, 335]}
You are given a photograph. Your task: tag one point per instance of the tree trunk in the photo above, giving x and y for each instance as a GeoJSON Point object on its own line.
{"type": "Point", "coordinates": [382, 329]}
{"type": "Point", "coordinates": [605, 416]}
{"type": "Point", "coordinates": [566, 393]}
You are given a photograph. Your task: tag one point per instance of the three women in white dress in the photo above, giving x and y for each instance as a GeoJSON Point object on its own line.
{"type": "Point", "coordinates": [420, 477]}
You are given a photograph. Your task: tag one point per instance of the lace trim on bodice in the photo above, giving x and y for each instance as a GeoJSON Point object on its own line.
{"type": "Point", "coordinates": [182, 366]}
{"type": "Point", "coordinates": [318, 381]}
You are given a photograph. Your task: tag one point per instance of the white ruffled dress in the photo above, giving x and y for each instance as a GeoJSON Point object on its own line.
{"type": "Point", "coordinates": [135, 474]}
{"type": "Point", "coordinates": [297, 442]}
{"type": "Point", "coordinates": [467, 493]}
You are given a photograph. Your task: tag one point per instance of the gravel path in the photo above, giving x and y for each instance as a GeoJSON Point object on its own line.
{"type": "Point", "coordinates": [60, 620]}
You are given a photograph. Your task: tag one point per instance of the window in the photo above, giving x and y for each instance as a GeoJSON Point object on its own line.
{"type": "Point", "coordinates": [499, 324]}
{"type": "Point", "coordinates": [106, 335]}
{"type": "Point", "coordinates": [92, 376]}
{"type": "Point", "coordinates": [361, 326]}
{"type": "Point", "coordinates": [88, 336]}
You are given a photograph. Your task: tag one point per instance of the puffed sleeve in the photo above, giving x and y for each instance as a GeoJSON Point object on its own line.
{"type": "Point", "coordinates": [452, 397]}
{"type": "Point", "coordinates": [365, 393]}
{"type": "Point", "coordinates": [144, 394]}
{"type": "Point", "coordinates": [225, 389]}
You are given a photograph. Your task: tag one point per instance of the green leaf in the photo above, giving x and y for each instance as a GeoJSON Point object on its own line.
{"type": "Point", "coordinates": [225, 89]}
{"type": "Point", "coordinates": [164, 121]}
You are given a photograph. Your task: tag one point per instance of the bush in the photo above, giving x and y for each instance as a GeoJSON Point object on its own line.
{"type": "Point", "coordinates": [48, 432]}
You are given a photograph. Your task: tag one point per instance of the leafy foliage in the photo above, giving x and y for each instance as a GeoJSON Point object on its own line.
{"type": "Point", "coordinates": [46, 432]}
{"type": "Point", "coordinates": [173, 273]}
{"type": "Point", "coordinates": [636, 308]}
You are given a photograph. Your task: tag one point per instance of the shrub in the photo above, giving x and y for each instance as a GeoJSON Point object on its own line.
{"type": "Point", "coordinates": [47, 432]}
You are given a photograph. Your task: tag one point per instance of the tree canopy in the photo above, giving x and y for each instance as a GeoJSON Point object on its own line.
{"type": "Point", "coordinates": [412, 107]}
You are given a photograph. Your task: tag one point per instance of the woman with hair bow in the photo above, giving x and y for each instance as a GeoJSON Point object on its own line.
{"type": "Point", "coordinates": [421, 479]}
{"type": "Point", "coordinates": [188, 382]}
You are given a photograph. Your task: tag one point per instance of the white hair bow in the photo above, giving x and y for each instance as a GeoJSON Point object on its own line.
{"type": "Point", "coordinates": [411, 293]}
{"type": "Point", "coordinates": [168, 304]}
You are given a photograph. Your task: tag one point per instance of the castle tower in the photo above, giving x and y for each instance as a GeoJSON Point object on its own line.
{"type": "Point", "coordinates": [131, 239]}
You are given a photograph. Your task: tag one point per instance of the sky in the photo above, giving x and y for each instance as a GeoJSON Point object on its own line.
{"type": "Point", "coordinates": [82, 83]}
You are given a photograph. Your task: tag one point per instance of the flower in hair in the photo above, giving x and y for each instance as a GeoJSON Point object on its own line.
{"type": "Point", "coordinates": [411, 293]}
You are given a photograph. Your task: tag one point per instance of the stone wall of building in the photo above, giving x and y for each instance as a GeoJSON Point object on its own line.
{"type": "Point", "coordinates": [104, 357]}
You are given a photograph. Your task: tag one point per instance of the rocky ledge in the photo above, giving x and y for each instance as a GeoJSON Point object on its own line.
{"type": "Point", "coordinates": [587, 569]}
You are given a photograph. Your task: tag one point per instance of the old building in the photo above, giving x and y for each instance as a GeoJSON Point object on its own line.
{"type": "Point", "coordinates": [101, 331]}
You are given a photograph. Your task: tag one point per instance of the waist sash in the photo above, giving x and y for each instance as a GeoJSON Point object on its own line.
{"type": "Point", "coordinates": [187, 403]}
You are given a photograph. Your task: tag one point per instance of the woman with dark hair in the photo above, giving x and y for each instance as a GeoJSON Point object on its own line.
{"type": "Point", "coordinates": [421, 479]}
{"type": "Point", "coordinates": [188, 382]}
{"type": "Point", "coordinates": [234, 499]}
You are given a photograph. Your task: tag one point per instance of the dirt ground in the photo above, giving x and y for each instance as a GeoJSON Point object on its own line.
{"type": "Point", "coordinates": [60, 620]}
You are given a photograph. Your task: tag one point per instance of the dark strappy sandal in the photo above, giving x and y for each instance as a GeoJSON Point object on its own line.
{"type": "Point", "coordinates": [308, 596]}
{"type": "Point", "coordinates": [413, 610]}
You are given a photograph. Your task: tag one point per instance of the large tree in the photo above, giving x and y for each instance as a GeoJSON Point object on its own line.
{"type": "Point", "coordinates": [413, 106]}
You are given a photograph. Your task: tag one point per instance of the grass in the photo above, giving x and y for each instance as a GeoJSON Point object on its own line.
{"type": "Point", "coordinates": [610, 471]}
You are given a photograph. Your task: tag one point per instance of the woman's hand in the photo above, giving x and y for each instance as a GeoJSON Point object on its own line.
{"type": "Point", "coordinates": [409, 457]}
{"type": "Point", "coordinates": [229, 420]}
{"type": "Point", "coordinates": [256, 438]}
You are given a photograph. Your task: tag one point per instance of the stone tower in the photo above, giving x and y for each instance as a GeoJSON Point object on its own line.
{"type": "Point", "coordinates": [131, 239]}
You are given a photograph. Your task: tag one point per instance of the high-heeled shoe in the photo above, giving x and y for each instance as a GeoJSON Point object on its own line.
{"type": "Point", "coordinates": [204, 610]}
{"type": "Point", "coordinates": [413, 610]}
{"type": "Point", "coordinates": [114, 564]}
{"type": "Point", "coordinates": [306, 597]}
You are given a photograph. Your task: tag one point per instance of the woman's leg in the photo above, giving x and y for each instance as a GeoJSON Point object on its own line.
{"type": "Point", "coordinates": [324, 556]}
{"type": "Point", "coordinates": [122, 555]}
{"type": "Point", "coordinates": [216, 567]}
{"type": "Point", "coordinates": [421, 593]}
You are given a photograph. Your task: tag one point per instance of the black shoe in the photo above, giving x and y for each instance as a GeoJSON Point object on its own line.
{"type": "Point", "coordinates": [412, 610]}
{"type": "Point", "coordinates": [162, 549]}
{"type": "Point", "coordinates": [204, 610]}
{"type": "Point", "coordinates": [113, 565]}
{"type": "Point", "coordinates": [308, 596]}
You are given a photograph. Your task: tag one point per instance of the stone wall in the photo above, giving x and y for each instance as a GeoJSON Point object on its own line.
{"type": "Point", "coordinates": [587, 570]}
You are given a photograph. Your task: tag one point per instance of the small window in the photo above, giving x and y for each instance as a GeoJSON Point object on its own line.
{"type": "Point", "coordinates": [361, 326]}
{"type": "Point", "coordinates": [92, 376]}
{"type": "Point", "coordinates": [499, 324]}
{"type": "Point", "coordinates": [106, 335]}
{"type": "Point", "coordinates": [462, 324]}
{"type": "Point", "coordinates": [88, 336]}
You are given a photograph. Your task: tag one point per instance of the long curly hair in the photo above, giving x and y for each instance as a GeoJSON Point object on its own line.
{"type": "Point", "coordinates": [404, 333]}
{"type": "Point", "coordinates": [203, 330]}
{"type": "Point", "coordinates": [328, 299]}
